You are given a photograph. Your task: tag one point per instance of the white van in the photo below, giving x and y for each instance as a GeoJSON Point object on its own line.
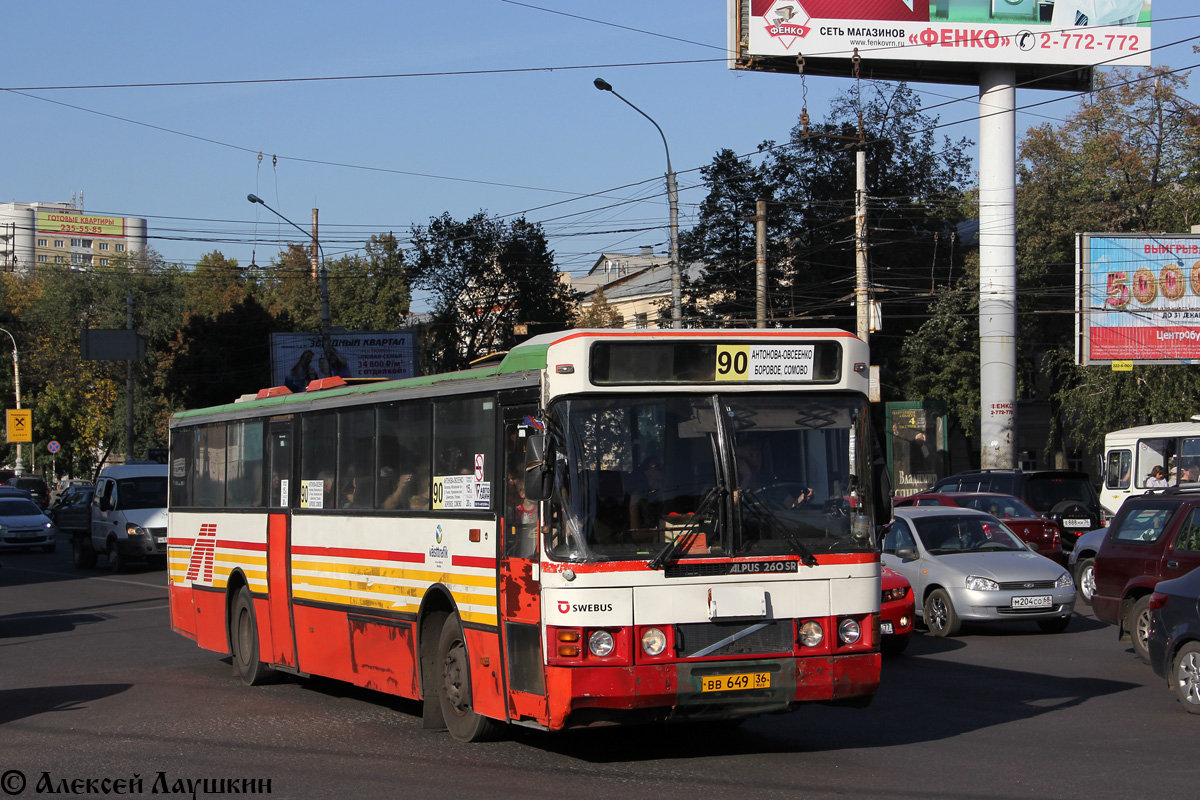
{"type": "Point", "coordinates": [129, 514]}
{"type": "Point", "coordinates": [1131, 454]}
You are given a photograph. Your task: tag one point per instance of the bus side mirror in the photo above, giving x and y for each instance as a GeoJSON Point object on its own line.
{"type": "Point", "coordinates": [539, 467]}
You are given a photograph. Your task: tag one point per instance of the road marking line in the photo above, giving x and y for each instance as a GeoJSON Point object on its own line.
{"type": "Point", "coordinates": [92, 577]}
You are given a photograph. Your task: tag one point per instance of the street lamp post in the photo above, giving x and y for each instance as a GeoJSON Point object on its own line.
{"type": "Point", "coordinates": [20, 465]}
{"type": "Point", "coordinates": [672, 200]}
{"type": "Point", "coordinates": [323, 277]}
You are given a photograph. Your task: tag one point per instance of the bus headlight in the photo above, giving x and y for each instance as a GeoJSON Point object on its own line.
{"type": "Point", "coordinates": [600, 643]}
{"type": "Point", "coordinates": [654, 641]}
{"type": "Point", "coordinates": [811, 634]}
{"type": "Point", "coordinates": [849, 631]}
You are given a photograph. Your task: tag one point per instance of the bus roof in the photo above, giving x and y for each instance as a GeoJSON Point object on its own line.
{"type": "Point", "coordinates": [528, 356]}
{"type": "Point", "coordinates": [1191, 428]}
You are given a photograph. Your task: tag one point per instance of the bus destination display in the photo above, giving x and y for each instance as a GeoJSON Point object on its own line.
{"type": "Point", "coordinates": [774, 363]}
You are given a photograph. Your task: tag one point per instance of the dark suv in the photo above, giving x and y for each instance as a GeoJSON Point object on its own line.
{"type": "Point", "coordinates": [1153, 538]}
{"type": "Point", "coordinates": [35, 486]}
{"type": "Point", "coordinates": [1063, 495]}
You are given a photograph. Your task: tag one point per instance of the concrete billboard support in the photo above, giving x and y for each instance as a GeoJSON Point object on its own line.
{"type": "Point", "coordinates": [997, 266]}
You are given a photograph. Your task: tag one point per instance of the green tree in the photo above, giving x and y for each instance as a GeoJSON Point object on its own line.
{"type": "Point", "coordinates": [216, 359]}
{"type": "Point", "coordinates": [940, 360]}
{"type": "Point", "coordinates": [918, 193]}
{"type": "Point", "coordinates": [600, 314]}
{"type": "Point", "coordinates": [215, 284]}
{"type": "Point", "coordinates": [486, 277]}
{"type": "Point", "coordinates": [1123, 162]}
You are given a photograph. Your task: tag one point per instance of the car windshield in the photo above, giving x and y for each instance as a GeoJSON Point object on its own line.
{"type": "Point", "coordinates": [16, 507]}
{"type": "Point", "coordinates": [1000, 507]}
{"type": "Point", "coordinates": [1141, 524]}
{"type": "Point", "coordinates": [146, 492]}
{"type": "Point", "coordinates": [1047, 491]}
{"type": "Point", "coordinates": [725, 474]}
{"type": "Point", "coordinates": [966, 534]}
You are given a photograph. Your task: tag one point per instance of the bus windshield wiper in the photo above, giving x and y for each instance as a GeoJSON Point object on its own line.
{"type": "Point", "coordinates": [769, 517]}
{"type": "Point", "coordinates": [684, 536]}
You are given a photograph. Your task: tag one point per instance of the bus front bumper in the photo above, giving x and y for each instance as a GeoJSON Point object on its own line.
{"type": "Point", "coordinates": [707, 690]}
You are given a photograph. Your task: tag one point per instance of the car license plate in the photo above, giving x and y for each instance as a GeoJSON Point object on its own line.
{"type": "Point", "coordinates": [1077, 523]}
{"type": "Point", "coordinates": [160, 540]}
{"type": "Point", "coordinates": [1038, 601]}
{"type": "Point", "coordinates": [886, 627]}
{"type": "Point", "coordinates": [744, 680]}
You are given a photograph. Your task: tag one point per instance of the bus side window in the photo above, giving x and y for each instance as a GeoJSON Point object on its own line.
{"type": "Point", "coordinates": [1116, 472]}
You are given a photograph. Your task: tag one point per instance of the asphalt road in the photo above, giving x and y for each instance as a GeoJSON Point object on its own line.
{"type": "Point", "coordinates": [94, 685]}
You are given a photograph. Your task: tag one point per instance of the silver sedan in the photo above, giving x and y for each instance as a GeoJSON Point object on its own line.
{"type": "Point", "coordinates": [965, 565]}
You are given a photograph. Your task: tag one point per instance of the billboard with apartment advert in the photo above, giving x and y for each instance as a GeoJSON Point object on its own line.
{"type": "Point", "coordinates": [1138, 299]}
{"type": "Point", "coordinates": [299, 358]}
{"type": "Point", "coordinates": [931, 40]}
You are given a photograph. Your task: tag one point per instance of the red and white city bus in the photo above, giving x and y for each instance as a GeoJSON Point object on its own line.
{"type": "Point", "coordinates": [606, 527]}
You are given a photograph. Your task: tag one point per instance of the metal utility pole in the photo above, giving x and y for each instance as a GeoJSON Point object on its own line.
{"type": "Point", "coordinates": [128, 380]}
{"type": "Point", "coordinates": [20, 465]}
{"type": "Point", "coordinates": [862, 294]}
{"type": "Point", "coordinates": [323, 276]}
{"type": "Point", "coordinates": [313, 248]}
{"type": "Point", "coordinates": [760, 264]}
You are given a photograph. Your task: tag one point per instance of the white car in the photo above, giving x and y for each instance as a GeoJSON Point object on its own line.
{"type": "Point", "coordinates": [22, 524]}
{"type": "Point", "coordinates": [965, 565]}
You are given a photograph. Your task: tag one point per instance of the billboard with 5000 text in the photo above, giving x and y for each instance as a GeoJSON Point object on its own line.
{"type": "Point", "coordinates": [1138, 298]}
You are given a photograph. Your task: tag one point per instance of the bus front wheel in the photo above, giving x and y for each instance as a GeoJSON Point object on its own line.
{"type": "Point", "coordinates": [455, 688]}
{"type": "Point", "coordinates": [243, 642]}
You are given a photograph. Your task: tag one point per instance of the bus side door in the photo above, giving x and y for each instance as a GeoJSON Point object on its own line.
{"type": "Point", "coordinates": [281, 447]}
{"type": "Point", "coordinates": [520, 585]}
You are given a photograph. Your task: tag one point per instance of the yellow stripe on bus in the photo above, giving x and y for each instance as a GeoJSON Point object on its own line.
{"type": "Point", "coordinates": [400, 573]}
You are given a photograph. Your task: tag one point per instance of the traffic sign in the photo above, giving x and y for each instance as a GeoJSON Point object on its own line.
{"type": "Point", "coordinates": [53, 447]}
{"type": "Point", "coordinates": [20, 425]}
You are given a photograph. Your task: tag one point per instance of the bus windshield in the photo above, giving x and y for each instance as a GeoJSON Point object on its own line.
{"type": "Point", "coordinates": [726, 474]}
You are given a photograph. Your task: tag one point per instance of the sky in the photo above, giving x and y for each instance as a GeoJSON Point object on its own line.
{"type": "Point", "coordinates": [488, 105]}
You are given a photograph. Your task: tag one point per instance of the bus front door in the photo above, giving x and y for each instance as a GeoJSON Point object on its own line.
{"type": "Point", "coordinates": [520, 585]}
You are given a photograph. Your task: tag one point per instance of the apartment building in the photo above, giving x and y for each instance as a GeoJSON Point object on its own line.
{"type": "Point", "coordinates": [63, 233]}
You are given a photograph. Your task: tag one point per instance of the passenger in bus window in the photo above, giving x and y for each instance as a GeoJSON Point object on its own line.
{"type": "Point", "coordinates": [1191, 473]}
{"type": "Point", "coordinates": [328, 496]}
{"type": "Point", "coordinates": [417, 495]}
{"type": "Point", "coordinates": [1157, 478]}
{"type": "Point", "coordinates": [356, 490]}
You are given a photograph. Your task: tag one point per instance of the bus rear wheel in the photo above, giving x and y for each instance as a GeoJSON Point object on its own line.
{"type": "Point", "coordinates": [455, 688]}
{"type": "Point", "coordinates": [243, 642]}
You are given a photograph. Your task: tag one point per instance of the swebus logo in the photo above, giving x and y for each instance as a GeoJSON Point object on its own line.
{"type": "Point", "coordinates": [204, 550]}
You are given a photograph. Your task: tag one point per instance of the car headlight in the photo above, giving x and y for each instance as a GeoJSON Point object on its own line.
{"type": "Point", "coordinates": [134, 530]}
{"type": "Point", "coordinates": [600, 643]}
{"type": "Point", "coordinates": [811, 634]}
{"type": "Point", "coordinates": [978, 583]}
{"type": "Point", "coordinates": [654, 641]}
{"type": "Point", "coordinates": [1065, 581]}
{"type": "Point", "coordinates": [899, 593]}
